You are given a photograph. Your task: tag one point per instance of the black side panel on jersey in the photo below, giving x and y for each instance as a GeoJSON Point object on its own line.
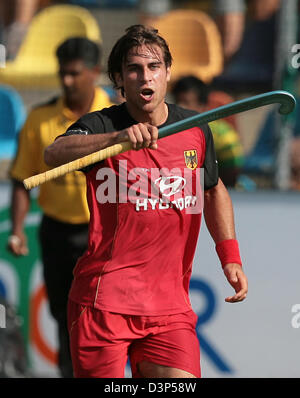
{"type": "Point", "coordinates": [210, 165]}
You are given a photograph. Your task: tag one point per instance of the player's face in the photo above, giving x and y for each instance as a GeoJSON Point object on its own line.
{"type": "Point", "coordinates": [77, 80]}
{"type": "Point", "coordinates": [144, 79]}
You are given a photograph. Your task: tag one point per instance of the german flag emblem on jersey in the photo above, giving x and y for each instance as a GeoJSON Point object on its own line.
{"type": "Point", "coordinates": [191, 159]}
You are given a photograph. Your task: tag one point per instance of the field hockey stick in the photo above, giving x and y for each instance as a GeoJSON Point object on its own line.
{"type": "Point", "coordinates": [286, 100]}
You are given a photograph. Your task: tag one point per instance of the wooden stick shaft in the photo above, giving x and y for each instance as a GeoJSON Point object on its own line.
{"type": "Point", "coordinates": [77, 164]}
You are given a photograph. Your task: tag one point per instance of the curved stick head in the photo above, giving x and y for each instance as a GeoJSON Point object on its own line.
{"type": "Point", "coordinates": [287, 101]}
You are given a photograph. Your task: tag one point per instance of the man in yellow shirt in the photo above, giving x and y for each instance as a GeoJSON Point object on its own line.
{"type": "Point", "coordinates": [64, 228]}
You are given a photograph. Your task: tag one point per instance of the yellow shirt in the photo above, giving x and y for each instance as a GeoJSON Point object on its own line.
{"type": "Point", "coordinates": [63, 198]}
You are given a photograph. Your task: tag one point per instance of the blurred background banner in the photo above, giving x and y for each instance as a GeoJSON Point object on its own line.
{"type": "Point", "coordinates": [223, 51]}
{"type": "Point", "coordinates": [22, 286]}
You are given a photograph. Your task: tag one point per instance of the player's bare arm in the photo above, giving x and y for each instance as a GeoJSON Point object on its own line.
{"type": "Point", "coordinates": [68, 148]}
{"type": "Point", "coordinates": [219, 218]}
{"type": "Point", "coordinates": [17, 242]}
{"type": "Point", "coordinates": [218, 213]}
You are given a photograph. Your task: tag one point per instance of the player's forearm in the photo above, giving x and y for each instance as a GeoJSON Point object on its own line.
{"type": "Point", "coordinates": [20, 203]}
{"type": "Point", "coordinates": [68, 148]}
{"type": "Point", "coordinates": [218, 213]}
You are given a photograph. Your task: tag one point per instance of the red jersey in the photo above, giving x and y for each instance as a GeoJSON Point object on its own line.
{"type": "Point", "coordinates": [144, 218]}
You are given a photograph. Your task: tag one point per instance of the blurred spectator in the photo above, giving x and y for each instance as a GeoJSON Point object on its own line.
{"type": "Point", "coordinates": [190, 92]}
{"type": "Point", "coordinates": [231, 18]}
{"type": "Point", "coordinates": [261, 160]}
{"type": "Point", "coordinates": [149, 10]}
{"type": "Point", "coordinates": [15, 18]}
{"type": "Point", "coordinates": [64, 228]}
{"type": "Point", "coordinates": [116, 4]}
{"type": "Point", "coordinates": [250, 37]}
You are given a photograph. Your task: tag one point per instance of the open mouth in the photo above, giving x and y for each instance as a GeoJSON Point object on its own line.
{"type": "Point", "coordinates": [147, 94]}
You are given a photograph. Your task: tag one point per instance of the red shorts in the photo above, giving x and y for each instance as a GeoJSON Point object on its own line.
{"type": "Point", "coordinates": [102, 341]}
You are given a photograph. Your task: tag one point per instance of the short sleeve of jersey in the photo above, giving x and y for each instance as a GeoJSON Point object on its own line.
{"type": "Point", "coordinates": [114, 118]}
{"type": "Point", "coordinates": [210, 165]}
{"type": "Point", "coordinates": [91, 123]}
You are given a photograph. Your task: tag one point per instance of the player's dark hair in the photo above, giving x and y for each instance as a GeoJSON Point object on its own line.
{"type": "Point", "coordinates": [135, 36]}
{"type": "Point", "coordinates": [80, 48]}
{"type": "Point", "coordinates": [191, 83]}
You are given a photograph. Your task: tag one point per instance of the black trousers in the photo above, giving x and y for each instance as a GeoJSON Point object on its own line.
{"type": "Point", "coordinates": [61, 246]}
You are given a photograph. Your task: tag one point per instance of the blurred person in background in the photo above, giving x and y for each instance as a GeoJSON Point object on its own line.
{"type": "Point", "coordinates": [191, 93]}
{"type": "Point", "coordinates": [63, 232]}
{"type": "Point", "coordinates": [150, 10]}
{"type": "Point", "coordinates": [15, 18]}
{"type": "Point", "coordinates": [250, 36]}
{"type": "Point", "coordinates": [231, 17]}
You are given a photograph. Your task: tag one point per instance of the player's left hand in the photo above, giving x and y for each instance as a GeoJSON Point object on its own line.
{"type": "Point", "coordinates": [238, 280]}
